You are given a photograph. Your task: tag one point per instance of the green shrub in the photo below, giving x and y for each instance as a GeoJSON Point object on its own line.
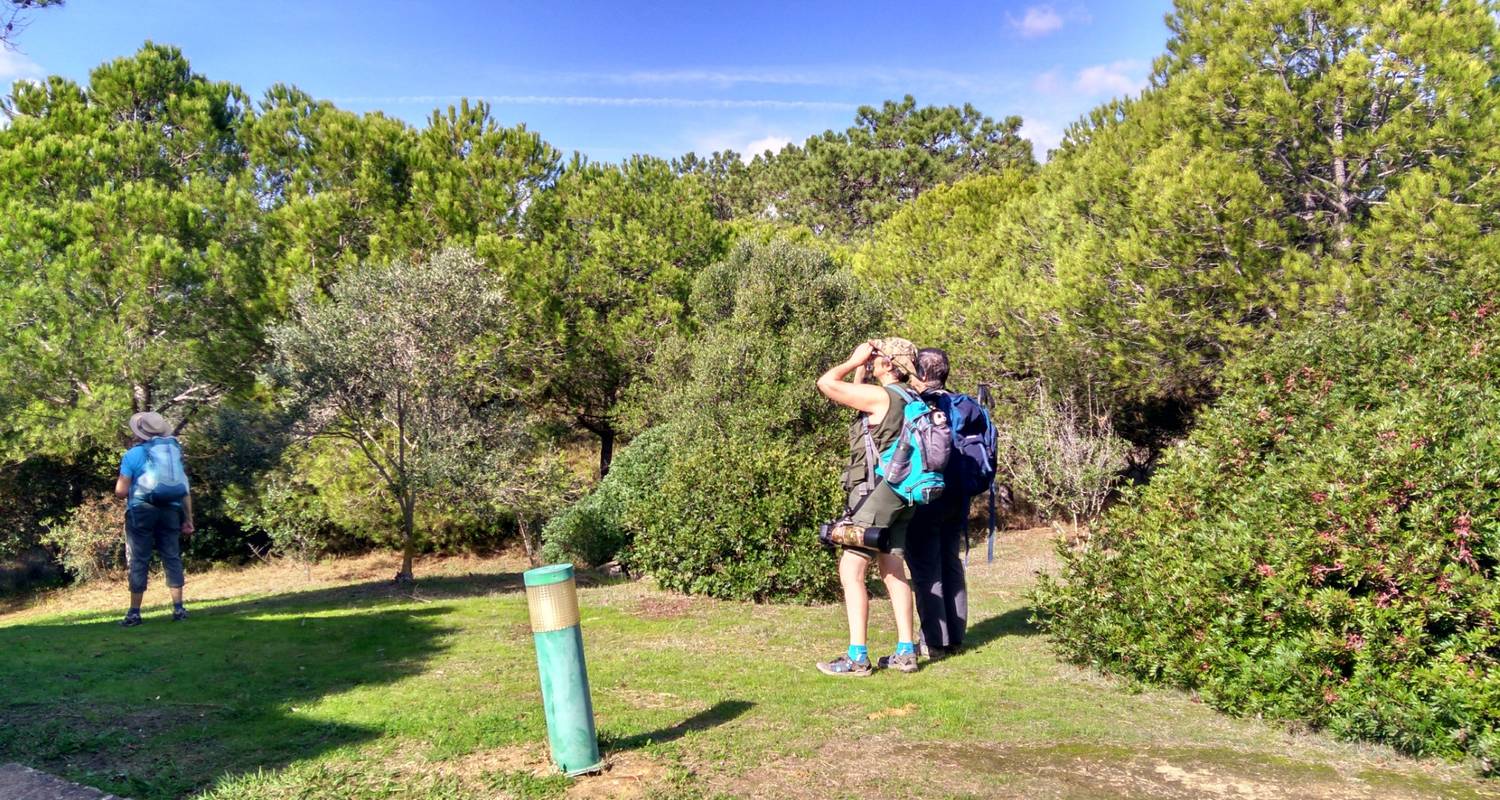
{"type": "Point", "coordinates": [90, 540]}
{"type": "Point", "coordinates": [723, 492]}
{"type": "Point", "coordinates": [291, 514]}
{"type": "Point", "coordinates": [736, 517]}
{"type": "Point", "coordinates": [597, 528]}
{"type": "Point", "coordinates": [1324, 546]}
{"type": "Point", "coordinates": [768, 320]}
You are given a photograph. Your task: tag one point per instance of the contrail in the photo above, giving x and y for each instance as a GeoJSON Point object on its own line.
{"type": "Point", "coordinates": [587, 100]}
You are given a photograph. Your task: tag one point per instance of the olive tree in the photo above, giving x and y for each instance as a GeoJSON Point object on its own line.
{"type": "Point", "coordinates": [405, 361]}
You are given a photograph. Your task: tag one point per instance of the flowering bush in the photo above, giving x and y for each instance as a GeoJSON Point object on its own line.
{"type": "Point", "coordinates": [1324, 546]}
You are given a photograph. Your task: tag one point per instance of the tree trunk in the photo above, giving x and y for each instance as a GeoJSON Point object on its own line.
{"type": "Point", "coordinates": [525, 530]}
{"type": "Point", "coordinates": [408, 496]}
{"type": "Point", "coordinates": [606, 449]}
{"type": "Point", "coordinates": [1343, 199]}
{"type": "Point", "coordinates": [409, 543]}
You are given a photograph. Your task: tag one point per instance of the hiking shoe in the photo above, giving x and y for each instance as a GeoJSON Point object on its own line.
{"type": "Point", "coordinates": [842, 667]}
{"type": "Point", "coordinates": [132, 619]}
{"type": "Point", "coordinates": [937, 653]}
{"type": "Point", "coordinates": [179, 613]}
{"type": "Point", "coordinates": [905, 662]}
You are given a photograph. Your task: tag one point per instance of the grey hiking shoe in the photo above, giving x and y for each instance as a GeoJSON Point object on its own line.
{"type": "Point", "coordinates": [906, 662]}
{"type": "Point", "coordinates": [132, 619]}
{"type": "Point", "coordinates": [179, 613]}
{"type": "Point", "coordinates": [843, 667]}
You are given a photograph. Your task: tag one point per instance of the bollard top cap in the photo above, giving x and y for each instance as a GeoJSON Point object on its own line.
{"type": "Point", "coordinates": [552, 573]}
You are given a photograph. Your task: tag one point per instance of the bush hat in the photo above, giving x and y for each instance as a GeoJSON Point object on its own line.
{"type": "Point", "coordinates": [900, 351]}
{"type": "Point", "coordinates": [148, 425]}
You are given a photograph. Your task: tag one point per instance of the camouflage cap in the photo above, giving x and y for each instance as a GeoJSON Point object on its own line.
{"type": "Point", "coordinates": [901, 352]}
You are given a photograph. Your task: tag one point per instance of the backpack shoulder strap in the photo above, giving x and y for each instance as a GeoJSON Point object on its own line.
{"type": "Point", "coordinates": [906, 393]}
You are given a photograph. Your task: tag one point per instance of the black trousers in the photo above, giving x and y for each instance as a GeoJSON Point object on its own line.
{"type": "Point", "coordinates": [934, 554]}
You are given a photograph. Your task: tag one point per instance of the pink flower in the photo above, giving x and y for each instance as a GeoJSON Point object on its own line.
{"type": "Point", "coordinates": [1266, 570]}
{"type": "Point", "coordinates": [1320, 497]}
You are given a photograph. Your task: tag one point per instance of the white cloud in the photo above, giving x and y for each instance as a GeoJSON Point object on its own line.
{"type": "Point", "coordinates": [1037, 21]}
{"type": "Point", "coordinates": [761, 145]}
{"type": "Point", "coordinates": [1049, 82]}
{"type": "Point", "coordinates": [749, 139]}
{"type": "Point", "coordinates": [1114, 78]}
{"type": "Point", "coordinates": [1100, 80]}
{"type": "Point", "coordinates": [15, 67]}
{"type": "Point", "coordinates": [1044, 135]}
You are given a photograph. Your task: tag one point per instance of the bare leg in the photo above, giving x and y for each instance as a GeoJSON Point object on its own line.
{"type": "Point", "coordinates": [135, 599]}
{"type": "Point", "coordinates": [856, 597]}
{"type": "Point", "coordinates": [893, 572]}
{"type": "Point", "coordinates": [176, 595]}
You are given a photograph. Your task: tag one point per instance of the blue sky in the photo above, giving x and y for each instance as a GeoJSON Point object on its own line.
{"type": "Point", "coordinates": [611, 79]}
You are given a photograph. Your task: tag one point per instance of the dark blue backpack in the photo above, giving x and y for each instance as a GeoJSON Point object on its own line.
{"type": "Point", "coordinates": [971, 467]}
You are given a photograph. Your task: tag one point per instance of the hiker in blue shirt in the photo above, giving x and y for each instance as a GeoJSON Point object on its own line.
{"type": "Point", "coordinates": [158, 509]}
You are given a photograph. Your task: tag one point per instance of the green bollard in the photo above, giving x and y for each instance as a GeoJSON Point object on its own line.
{"type": "Point", "coordinates": [552, 597]}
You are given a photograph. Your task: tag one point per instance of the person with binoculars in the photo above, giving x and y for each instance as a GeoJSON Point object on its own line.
{"type": "Point", "coordinates": [872, 504]}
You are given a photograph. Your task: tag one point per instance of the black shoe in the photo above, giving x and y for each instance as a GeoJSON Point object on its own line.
{"type": "Point", "coordinates": [844, 667]}
{"type": "Point", "coordinates": [132, 619]}
{"type": "Point", "coordinates": [179, 613]}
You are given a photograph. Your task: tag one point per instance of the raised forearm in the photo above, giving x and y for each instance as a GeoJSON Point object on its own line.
{"type": "Point", "coordinates": [829, 381]}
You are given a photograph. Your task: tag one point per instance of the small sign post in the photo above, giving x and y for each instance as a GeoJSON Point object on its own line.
{"type": "Point", "coordinates": [552, 597]}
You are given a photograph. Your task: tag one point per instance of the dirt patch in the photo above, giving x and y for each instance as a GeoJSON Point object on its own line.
{"type": "Point", "coordinates": [528, 758]}
{"type": "Point", "coordinates": [887, 767]}
{"type": "Point", "coordinates": [903, 711]}
{"type": "Point", "coordinates": [639, 698]}
{"type": "Point", "coordinates": [670, 607]}
{"type": "Point", "coordinates": [626, 775]}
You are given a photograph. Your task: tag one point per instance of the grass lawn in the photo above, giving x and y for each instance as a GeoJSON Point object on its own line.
{"type": "Point", "coordinates": [336, 685]}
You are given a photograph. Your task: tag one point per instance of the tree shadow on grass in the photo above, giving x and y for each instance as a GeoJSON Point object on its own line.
{"type": "Point", "coordinates": [720, 713]}
{"type": "Point", "coordinates": [354, 595]}
{"type": "Point", "coordinates": [1015, 622]}
{"type": "Point", "coordinates": [165, 709]}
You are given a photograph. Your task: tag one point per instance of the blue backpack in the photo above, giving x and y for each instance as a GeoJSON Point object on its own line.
{"type": "Point", "coordinates": [971, 469]}
{"type": "Point", "coordinates": [913, 464]}
{"type": "Point", "coordinates": [163, 481]}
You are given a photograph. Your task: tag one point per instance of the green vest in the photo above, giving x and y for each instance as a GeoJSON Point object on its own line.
{"type": "Point", "coordinates": [883, 434]}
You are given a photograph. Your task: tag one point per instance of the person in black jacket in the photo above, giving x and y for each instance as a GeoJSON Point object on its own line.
{"type": "Point", "coordinates": [935, 536]}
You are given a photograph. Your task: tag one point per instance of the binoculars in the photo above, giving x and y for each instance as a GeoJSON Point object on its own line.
{"type": "Point", "coordinates": [843, 533]}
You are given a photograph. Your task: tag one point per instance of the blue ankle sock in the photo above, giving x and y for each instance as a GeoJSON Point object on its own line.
{"type": "Point", "coordinates": [905, 648]}
{"type": "Point", "coordinates": [859, 652]}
